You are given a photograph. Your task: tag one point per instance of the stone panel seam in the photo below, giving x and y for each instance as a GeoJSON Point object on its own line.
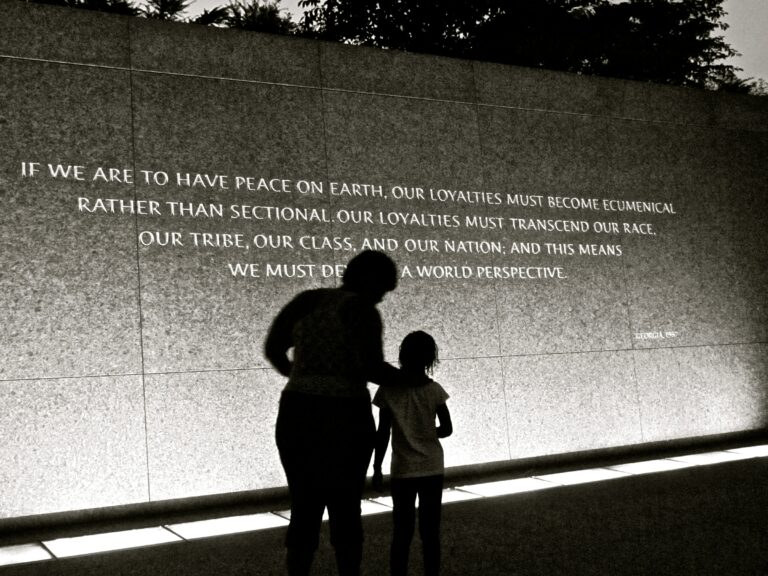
{"type": "Point", "coordinates": [65, 62]}
{"type": "Point", "coordinates": [209, 371]}
{"type": "Point", "coordinates": [325, 133]}
{"type": "Point", "coordinates": [602, 116]}
{"type": "Point", "coordinates": [129, 24]}
{"type": "Point", "coordinates": [611, 350]}
{"type": "Point", "coordinates": [638, 402]}
{"type": "Point", "coordinates": [129, 374]}
{"type": "Point", "coordinates": [497, 316]}
{"type": "Point", "coordinates": [160, 72]}
{"type": "Point", "coordinates": [75, 377]}
{"type": "Point", "coordinates": [453, 358]}
{"type": "Point", "coordinates": [714, 126]}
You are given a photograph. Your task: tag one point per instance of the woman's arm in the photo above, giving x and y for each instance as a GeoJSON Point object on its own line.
{"type": "Point", "coordinates": [280, 336]}
{"type": "Point", "coordinates": [445, 427]}
{"type": "Point", "coordinates": [368, 329]}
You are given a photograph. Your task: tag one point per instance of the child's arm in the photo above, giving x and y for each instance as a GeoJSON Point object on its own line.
{"type": "Point", "coordinates": [445, 428]}
{"type": "Point", "coordinates": [382, 440]}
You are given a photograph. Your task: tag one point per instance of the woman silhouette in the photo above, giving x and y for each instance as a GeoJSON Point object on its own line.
{"type": "Point", "coordinates": [325, 428]}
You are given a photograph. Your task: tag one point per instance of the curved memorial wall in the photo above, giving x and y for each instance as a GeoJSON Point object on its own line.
{"type": "Point", "coordinates": [590, 254]}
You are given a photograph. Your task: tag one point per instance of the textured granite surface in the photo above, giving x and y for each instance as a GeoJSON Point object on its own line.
{"type": "Point", "coordinates": [541, 152]}
{"type": "Point", "coordinates": [209, 51]}
{"type": "Point", "coordinates": [43, 32]}
{"type": "Point", "coordinates": [477, 405]}
{"type": "Point", "coordinates": [71, 443]}
{"type": "Point", "coordinates": [673, 104]}
{"type": "Point", "coordinates": [742, 112]}
{"type": "Point", "coordinates": [462, 321]}
{"type": "Point", "coordinates": [663, 342]}
{"type": "Point", "coordinates": [395, 72]}
{"type": "Point", "coordinates": [536, 89]}
{"type": "Point", "coordinates": [698, 391]}
{"type": "Point", "coordinates": [401, 141]}
{"type": "Point", "coordinates": [531, 154]}
{"type": "Point", "coordinates": [212, 432]}
{"type": "Point", "coordinates": [541, 317]}
{"type": "Point", "coordinates": [196, 314]}
{"type": "Point", "coordinates": [69, 283]}
{"type": "Point", "coordinates": [570, 402]}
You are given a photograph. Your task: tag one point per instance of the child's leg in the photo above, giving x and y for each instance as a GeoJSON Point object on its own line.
{"type": "Point", "coordinates": [403, 523]}
{"type": "Point", "coordinates": [430, 501]}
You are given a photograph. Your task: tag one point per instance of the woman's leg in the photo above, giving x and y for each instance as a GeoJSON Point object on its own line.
{"type": "Point", "coordinates": [298, 455]}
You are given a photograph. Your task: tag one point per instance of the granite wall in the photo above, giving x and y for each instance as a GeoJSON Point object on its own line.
{"type": "Point", "coordinates": [135, 307]}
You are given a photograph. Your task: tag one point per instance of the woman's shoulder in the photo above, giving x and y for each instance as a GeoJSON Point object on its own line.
{"type": "Point", "coordinates": [329, 297]}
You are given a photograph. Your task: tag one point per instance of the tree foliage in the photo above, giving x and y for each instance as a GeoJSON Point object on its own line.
{"type": "Point", "coordinates": [123, 7]}
{"type": "Point", "coordinates": [663, 41]}
{"type": "Point", "coordinates": [433, 26]}
{"type": "Point", "coordinates": [214, 17]}
{"type": "Point", "coordinates": [165, 9]}
{"type": "Point", "coordinates": [667, 41]}
{"type": "Point", "coordinates": [258, 16]}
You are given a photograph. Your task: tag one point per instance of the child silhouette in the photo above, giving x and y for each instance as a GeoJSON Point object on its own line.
{"type": "Point", "coordinates": [417, 457]}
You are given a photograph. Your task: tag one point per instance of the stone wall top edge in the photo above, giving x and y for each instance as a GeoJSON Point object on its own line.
{"type": "Point", "coordinates": [60, 34]}
{"type": "Point", "coordinates": [43, 32]}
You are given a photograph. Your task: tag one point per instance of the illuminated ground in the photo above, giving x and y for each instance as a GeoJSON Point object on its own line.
{"type": "Point", "coordinates": [700, 520]}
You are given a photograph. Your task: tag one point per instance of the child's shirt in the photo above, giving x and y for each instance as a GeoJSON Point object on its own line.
{"type": "Point", "coordinates": [416, 449]}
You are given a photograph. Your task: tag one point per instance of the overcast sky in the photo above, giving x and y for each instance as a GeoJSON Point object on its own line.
{"type": "Point", "coordinates": [748, 24]}
{"type": "Point", "coordinates": [747, 32]}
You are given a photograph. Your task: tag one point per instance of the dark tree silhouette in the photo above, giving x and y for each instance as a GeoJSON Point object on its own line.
{"type": "Point", "coordinates": [214, 17]}
{"type": "Point", "coordinates": [667, 41]}
{"type": "Point", "coordinates": [433, 26]}
{"type": "Point", "coordinates": [663, 41]}
{"type": "Point", "coordinates": [259, 16]}
{"type": "Point", "coordinates": [672, 42]}
{"type": "Point", "coordinates": [124, 7]}
{"type": "Point", "coordinates": [165, 9]}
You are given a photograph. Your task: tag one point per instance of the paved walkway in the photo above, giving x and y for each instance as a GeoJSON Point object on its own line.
{"type": "Point", "coordinates": [699, 521]}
